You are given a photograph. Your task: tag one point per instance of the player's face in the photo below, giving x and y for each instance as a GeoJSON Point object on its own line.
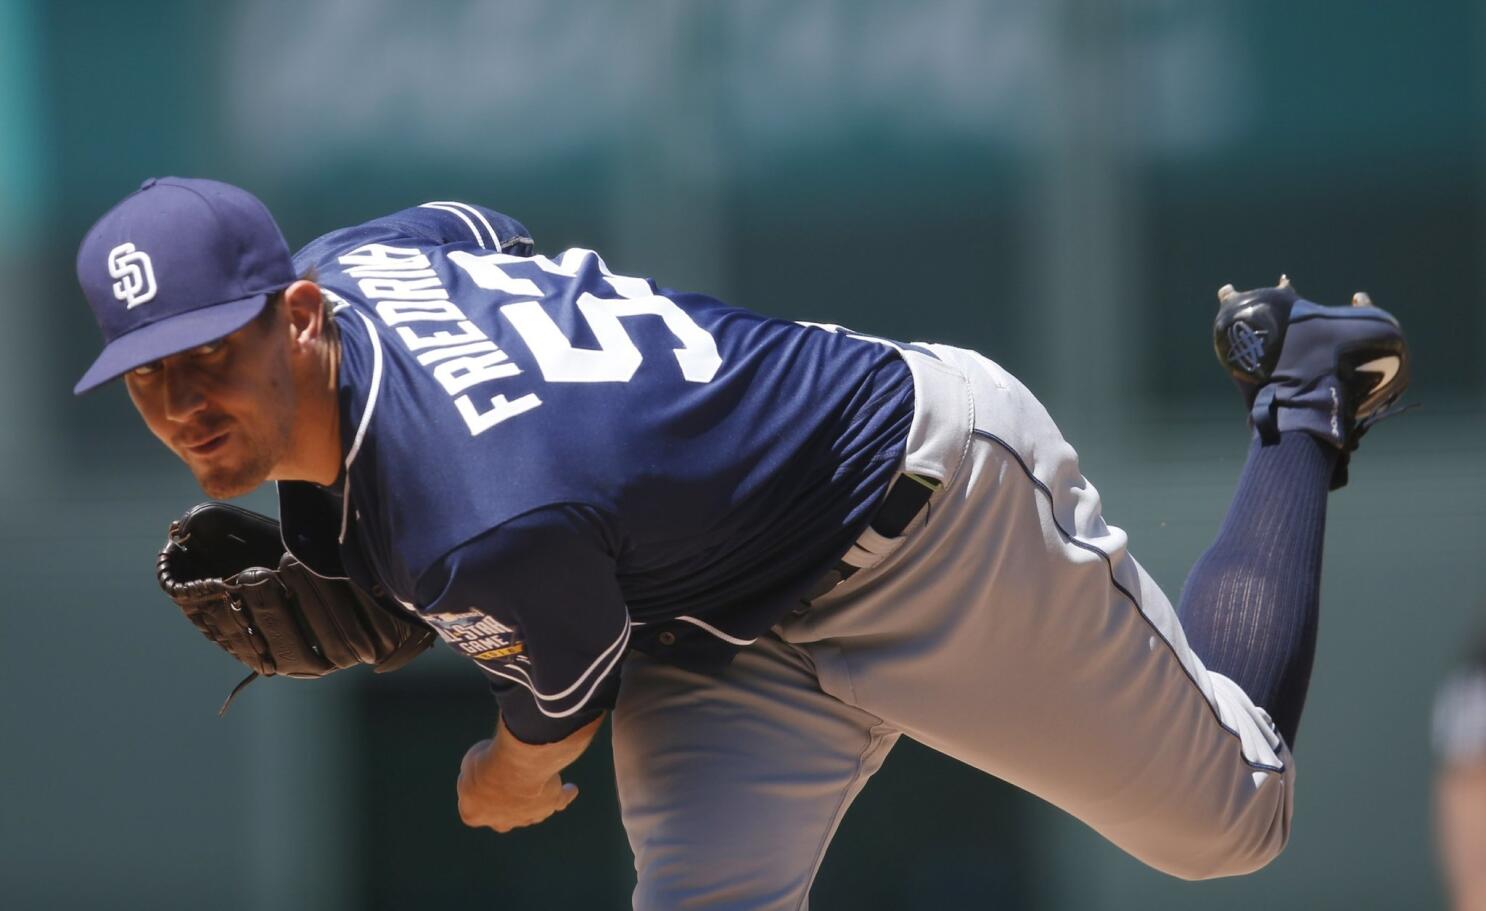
{"type": "Point", "coordinates": [226, 408]}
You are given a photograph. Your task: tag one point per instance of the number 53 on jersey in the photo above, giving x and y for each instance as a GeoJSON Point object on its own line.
{"type": "Point", "coordinates": [617, 358]}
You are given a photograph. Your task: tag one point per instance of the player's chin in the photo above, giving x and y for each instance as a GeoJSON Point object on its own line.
{"type": "Point", "coordinates": [223, 480]}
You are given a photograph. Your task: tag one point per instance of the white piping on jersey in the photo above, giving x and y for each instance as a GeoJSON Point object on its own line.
{"type": "Point", "coordinates": [617, 644]}
{"type": "Point", "coordinates": [366, 415]}
{"type": "Point", "coordinates": [445, 207]}
{"type": "Point", "coordinates": [709, 628]}
{"type": "Point", "coordinates": [716, 632]}
{"type": "Point", "coordinates": [499, 244]}
{"type": "Point", "coordinates": [617, 650]}
{"type": "Point", "coordinates": [473, 211]}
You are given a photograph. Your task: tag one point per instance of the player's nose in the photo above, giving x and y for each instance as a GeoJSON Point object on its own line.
{"type": "Point", "coordinates": [183, 394]}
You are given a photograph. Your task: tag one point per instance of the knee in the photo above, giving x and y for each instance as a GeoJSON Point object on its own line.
{"type": "Point", "coordinates": [1214, 833]}
{"type": "Point", "coordinates": [1236, 861]}
{"type": "Point", "coordinates": [1233, 847]}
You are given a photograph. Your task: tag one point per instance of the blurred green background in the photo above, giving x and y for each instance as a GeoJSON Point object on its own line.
{"type": "Point", "coordinates": [1061, 184]}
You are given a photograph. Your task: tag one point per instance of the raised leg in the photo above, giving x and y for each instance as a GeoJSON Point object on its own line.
{"type": "Point", "coordinates": [1013, 631]}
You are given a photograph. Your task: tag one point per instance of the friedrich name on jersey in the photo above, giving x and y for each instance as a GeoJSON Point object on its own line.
{"type": "Point", "coordinates": [410, 298]}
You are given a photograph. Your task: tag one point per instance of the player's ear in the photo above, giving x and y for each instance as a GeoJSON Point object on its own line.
{"type": "Point", "coordinates": [305, 307]}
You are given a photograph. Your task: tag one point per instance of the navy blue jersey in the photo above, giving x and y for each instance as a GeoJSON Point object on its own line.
{"type": "Point", "coordinates": [551, 463]}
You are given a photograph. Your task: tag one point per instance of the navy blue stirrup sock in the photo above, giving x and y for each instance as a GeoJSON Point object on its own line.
{"type": "Point", "coordinates": [1252, 600]}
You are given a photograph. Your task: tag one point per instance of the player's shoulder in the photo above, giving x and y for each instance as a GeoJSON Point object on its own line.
{"type": "Point", "coordinates": [420, 472]}
{"type": "Point", "coordinates": [433, 223]}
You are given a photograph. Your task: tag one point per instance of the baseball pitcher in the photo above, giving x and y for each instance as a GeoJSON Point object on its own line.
{"type": "Point", "coordinates": [769, 549]}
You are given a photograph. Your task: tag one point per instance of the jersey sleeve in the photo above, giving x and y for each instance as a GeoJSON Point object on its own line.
{"type": "Point", "coordinates": [535, 603]}
{"type": "Point", "coordinates": [450, 222]}
{"type": "Point", "coordinates": [434, 223]}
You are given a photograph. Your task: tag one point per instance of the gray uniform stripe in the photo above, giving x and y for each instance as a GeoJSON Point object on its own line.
{"type": "Point", "coordinates": [1155, 630]}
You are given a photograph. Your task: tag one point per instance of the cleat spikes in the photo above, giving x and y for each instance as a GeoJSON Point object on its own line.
{"type": "Point", "coordinates": [1284, 281]}
{"type": "Point", "coordinates": [1330, 372]}
{"type": "Point", "coordinates": [1226, 292]}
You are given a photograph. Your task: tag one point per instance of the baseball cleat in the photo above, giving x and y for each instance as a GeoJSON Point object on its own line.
{"type": "Point", "coordinates": [1332, 372]}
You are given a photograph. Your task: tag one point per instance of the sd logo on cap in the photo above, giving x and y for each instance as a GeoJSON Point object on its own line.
{"type": "Point", "coordinates": [203, 255]}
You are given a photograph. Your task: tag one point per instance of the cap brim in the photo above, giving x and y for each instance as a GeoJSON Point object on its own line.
{"type": "Point", "coordinates": [171, 335]}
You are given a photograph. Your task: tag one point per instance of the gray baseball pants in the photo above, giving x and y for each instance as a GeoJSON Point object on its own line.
{"type": "Point", "coordinates": [1008, 627]}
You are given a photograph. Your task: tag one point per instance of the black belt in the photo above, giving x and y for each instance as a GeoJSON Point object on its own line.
{"type": "Point", "coordinates": [905, 499]}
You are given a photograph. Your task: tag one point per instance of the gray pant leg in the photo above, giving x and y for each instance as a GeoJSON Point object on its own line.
{"type": "Point", "coordinates": [1013, 631]}
{"type": "Point", "coordinates": [732, 785]}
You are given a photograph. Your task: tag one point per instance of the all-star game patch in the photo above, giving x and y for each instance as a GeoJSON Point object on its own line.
{"type": "Point", "coordinates": [479, 635]}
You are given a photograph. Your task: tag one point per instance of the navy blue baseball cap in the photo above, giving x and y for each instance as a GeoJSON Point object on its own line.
{"type": "Point", "coordinates": [179, 263]}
